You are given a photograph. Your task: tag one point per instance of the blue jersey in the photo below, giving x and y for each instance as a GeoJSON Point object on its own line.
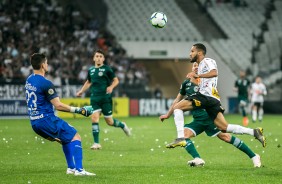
{"type": "Point", "coordinates": [39, 91]}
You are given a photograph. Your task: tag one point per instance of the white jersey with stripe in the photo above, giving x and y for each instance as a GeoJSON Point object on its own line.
{"type": "Point", "coordinates": [258, 90]}
{"type": "Point", "coordinates": [208, 86]}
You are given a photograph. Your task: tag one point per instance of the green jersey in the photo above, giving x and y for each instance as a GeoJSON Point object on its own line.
{"type": "Point", "coordinates": [100, 79]}
{"type": "Point", "coordinates": [242, 85]}
{"type": "Point", "coordinates": [188, 88]}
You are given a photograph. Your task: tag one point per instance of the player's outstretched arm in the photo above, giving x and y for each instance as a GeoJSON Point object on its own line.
{"type": "Point", "coordinates": [170, 111]}
{"type": "Point", "coordinates": [85, 111]}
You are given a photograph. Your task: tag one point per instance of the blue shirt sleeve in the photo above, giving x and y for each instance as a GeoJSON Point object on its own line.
{"type": "Point", "coordinates": [49, 90]}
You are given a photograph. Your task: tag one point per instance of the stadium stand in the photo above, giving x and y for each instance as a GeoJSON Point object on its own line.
{"type": "Point", "coordinates": [254, 35]}
{"type": "Point", "coordinates": [128, 20]}
{"type": "Point", "coordinates": [67, 36]}
{"type": "Point", "coordinates": [238, 23]}
{"type": "Point", "coordinates": [253, 29]}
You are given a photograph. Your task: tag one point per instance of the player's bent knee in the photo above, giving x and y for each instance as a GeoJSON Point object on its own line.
{"type": "Point", "coordinates": [188, 133]}
{"type": "Point", "coordinates": [76, 137]}
{"type": "Point", "coordinates": [224, 136]}
{"type": "Point", "coordinates": [95, 119]}
{"type": "Point", "coordinates": [220, 122]}
{"type": "Point", "coordinates": [109, 121]}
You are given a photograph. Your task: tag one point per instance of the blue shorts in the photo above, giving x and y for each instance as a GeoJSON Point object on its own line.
{"type": "Point", "coordinates": [53, 128]}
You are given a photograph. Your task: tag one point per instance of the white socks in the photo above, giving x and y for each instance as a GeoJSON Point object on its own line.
{"type": "Point", "coordinates": [237, 129]}
{"type": "Point", "coordinates": [179, 122]}
{"type": "Point", "coordinates": [260, 114]}
{"type": "Point", "coordinates": [254, 114]}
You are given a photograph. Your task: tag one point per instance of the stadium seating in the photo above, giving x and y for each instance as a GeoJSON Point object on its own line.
{"type": "Point", "coordinates": [268, 57]}
{"type": "Point", "coordinates": [239, 24]}
{"type": "Point", "coordinates": [243, 25]}
{"type": "Point", "coordinates": [128, 20]}
{"type": "Point", "coordinates": [69, 45]}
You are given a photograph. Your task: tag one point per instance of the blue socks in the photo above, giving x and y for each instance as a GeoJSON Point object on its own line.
{"type": "Point", "coordinates": [73, 154]}
{"type": "Point", "coordinates": [77, 155]}
{"type": "Point", "coordinates": [68, 151]}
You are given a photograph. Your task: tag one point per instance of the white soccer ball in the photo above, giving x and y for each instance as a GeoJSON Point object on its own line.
{"type": "Point", "coordinates": [158, 19]}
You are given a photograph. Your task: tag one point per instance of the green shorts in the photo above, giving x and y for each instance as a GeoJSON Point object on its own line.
{"type": "Point", "coordinates": [243, 101]}
{"type": "Point", "coordinates": [199, 126]}
{"type": "Point", "coordinates": [102, 104]}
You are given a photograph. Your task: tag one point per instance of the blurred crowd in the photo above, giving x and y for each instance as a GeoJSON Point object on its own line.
{"type": "Point", "coordinates": [66, 36]}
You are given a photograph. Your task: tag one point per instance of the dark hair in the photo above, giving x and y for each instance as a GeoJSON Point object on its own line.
{"type": "Point", "coordinates": [201, 47]}
{"type": "Point", "coordinates": [99, 51]}
{"type": "Point", "coordinates": [36, 60]}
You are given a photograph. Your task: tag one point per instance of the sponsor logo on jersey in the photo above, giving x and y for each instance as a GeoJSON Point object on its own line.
{"type": "Point", "coordinates": [36, 117]}
{"type": "Point", "coordinates": [28, 86]}
{"type": "Point", "coordinates": [197, 102]}
{"type": "Point", "coordinates": [100, 73]}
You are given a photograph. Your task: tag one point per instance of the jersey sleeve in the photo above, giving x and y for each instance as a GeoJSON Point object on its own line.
{"type": "Point", "coordinates": [248, 82]}
{"type": "Point", "coordinates": [264, 90]}
{"type": "Point", "coordinates": [111, 73]}
{"type": "Point", "coordinates": [211, 64]}
{"type": "Point", "coordinates": [182, 88]}
{"type": "Point", "coordinates": [236, 84]}
{"type": "Point", "coordinates": [88, 76]}
{"type": "Point", "coordinates": [49, 90]}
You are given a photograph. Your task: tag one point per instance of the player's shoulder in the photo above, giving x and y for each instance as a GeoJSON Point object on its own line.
{"type": "Point", "coordinates": [186, 81]}
{"type": "Point", "coordinates": [35, 77]}
{"type": "Point", "coordinates": [209, 60]}
{"type": "Point", "coordinates": [91, 68]}
{"type": "Point", "coordinates": [107, 67]}
{"type": "Point", "coordinates": [45, 82]}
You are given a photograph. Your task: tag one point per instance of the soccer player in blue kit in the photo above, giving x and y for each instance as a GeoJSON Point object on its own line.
{"type": "Point", "coordinates": [41, 96]}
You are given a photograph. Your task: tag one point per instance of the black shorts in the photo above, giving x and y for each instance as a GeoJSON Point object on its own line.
{"type": "Point", "coordinates": [258, 104]}
{"type": "Point", "coordinates": [212, 105]}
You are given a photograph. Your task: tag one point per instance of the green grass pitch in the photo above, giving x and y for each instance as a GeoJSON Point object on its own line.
{"type": "Point", "coordinates": [142, 158]}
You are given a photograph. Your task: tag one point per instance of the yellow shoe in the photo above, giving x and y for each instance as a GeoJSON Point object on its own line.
{"type": "Point", "coordinates": [177, 142]}
{"type": "Point", "coordinates": [258, 134]}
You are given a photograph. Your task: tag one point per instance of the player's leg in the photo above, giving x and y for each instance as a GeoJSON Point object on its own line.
{"type": "Point", "coordinates": [254, 112]}
{"type": "Point", "coordinates": [260, 112]}
{"type": "Point", "coordinates": [192, 130]}
{"type": "Point", "coordinates": [78, 157]}
{"type": "Point", "coordinates": [179, 108]}
{"type": "Point", "coordinates": [223, 125]}
{"type": "Point", "coordinates": [243, 105]}
{"type": "Point", "coordinates": [95, 117]}
{"type": "Point", "coordinates": [71, 143]}
{"type": "Point", "coordinates": [215, 111]}
{"type": "Point", "coordinates": [107, 111]}
{"type": "Point", "coordinates": [239, 144]}
{"type": "Point", "coordinates": [75, 148]}
{"type": "Point", "coordinates": [48, 130]}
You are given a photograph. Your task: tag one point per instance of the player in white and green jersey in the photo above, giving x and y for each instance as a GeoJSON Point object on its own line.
{"type": "Point", "coordinates": [202, 122]}
{"type": "Point", "coordinates": [101, 80]}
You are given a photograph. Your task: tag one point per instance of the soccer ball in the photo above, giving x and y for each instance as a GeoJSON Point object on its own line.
{"type": "Point", "coordinates": [158, 19]}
